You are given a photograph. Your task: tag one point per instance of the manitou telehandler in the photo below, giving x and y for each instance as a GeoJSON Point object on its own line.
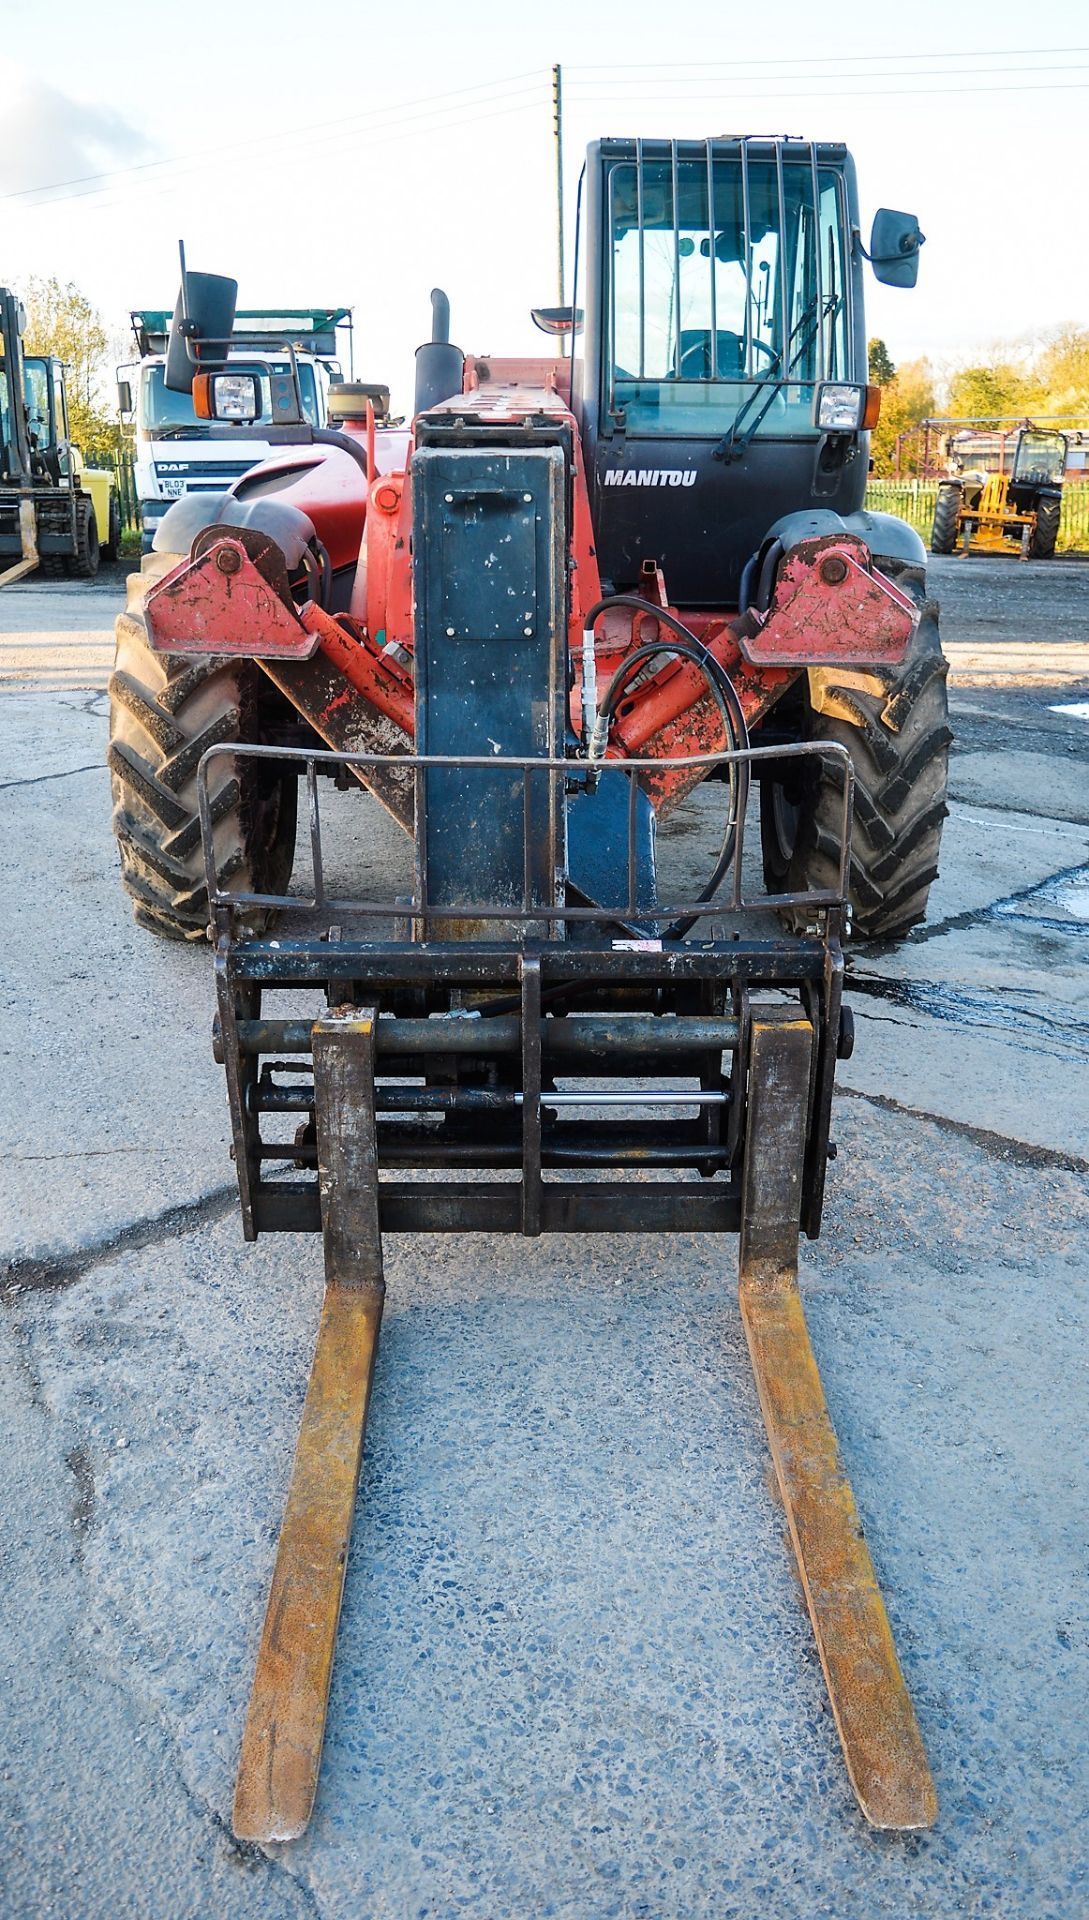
{"type": "Point", "coordinates": [558, 631]}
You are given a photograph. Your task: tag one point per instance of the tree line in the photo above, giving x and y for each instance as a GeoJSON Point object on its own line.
{"type": "Point", "coordinates": [1053, 377]}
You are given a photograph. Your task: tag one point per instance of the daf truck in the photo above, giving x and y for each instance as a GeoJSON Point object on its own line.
{"type": "Point", "coordinates": [174, 452]}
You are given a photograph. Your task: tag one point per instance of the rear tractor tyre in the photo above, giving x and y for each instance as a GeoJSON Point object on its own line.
{"type": "Point", "coordinates": [943, 537]}
{"type": "Point", "coordinates": [165, 710]}
{"type": "Point", "coordinates": [898, 740]}
{"type": "Point", "coordinates": [1045, 533]}
{"type": "Point", "coordinates": [84, 561]}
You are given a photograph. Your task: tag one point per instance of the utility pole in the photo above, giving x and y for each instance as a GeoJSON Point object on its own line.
{"type": "Point", "coordinates": [557, 133]}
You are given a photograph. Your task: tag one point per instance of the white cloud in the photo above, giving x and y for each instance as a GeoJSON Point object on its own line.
{"type": "Point", "coordinates": [49, 138]}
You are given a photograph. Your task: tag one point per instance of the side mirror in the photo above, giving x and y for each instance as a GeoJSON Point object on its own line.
{"type": "Point", "coordinates": [204, 313]}
{"type": "Point", "coordinates": [557, 321]}
{"type": "Point", "coordinates": [124, 396]}
{"type": "Point", "coordinates": [894, 248]}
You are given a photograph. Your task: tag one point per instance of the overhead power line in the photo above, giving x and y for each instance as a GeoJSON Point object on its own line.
{"type": "Point", "coordinates": [598, 89]}
{"type": "Point", "coordinates": [828, 59]}
{"type": "Point", "coordinates": [826, 92]}
{"type": "Point", "coordinates": [686, 82]}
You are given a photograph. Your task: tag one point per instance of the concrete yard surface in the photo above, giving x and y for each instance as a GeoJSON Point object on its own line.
{"type": "Point", "coordinates": [575, 1677]}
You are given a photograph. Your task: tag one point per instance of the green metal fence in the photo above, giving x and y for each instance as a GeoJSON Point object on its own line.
{"type": "Point", "coordinates": [910, 500]}
{"type": "Point", "coordinates": [913, 501]}
{"type": "Point", "coordinates": [1074, 525]}
{"type": "Point", "coordinates": [124, 473]}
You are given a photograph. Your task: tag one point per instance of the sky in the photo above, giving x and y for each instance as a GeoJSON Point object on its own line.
{"type": "Point", "coordinates": [360, 155]}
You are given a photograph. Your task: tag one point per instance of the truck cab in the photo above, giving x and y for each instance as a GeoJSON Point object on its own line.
{"type": "Point", "coordinates": [176, 453]}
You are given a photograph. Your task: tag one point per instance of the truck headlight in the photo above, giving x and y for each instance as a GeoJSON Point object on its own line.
{"type": "Point", "coordinates": [842, 408]}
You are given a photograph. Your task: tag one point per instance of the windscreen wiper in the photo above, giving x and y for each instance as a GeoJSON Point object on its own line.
{"type": "Point", "coordinates": [732, 446]}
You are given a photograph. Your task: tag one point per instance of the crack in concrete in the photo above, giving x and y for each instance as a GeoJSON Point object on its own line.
{"type": "Point", "coordinates": [251, 1857]}
{"type": "Point", "coordinates": [247, 1852]}
{"type": "Point", "coordinates": [1056, 827]}
{"type": "Point", "coordinates": [1012, 1037]}
{"type": "Point", "coordinates": [78, 1459]}
{"type": "Point", "coordinates": [1060, 1034]}
{"type": "Point", "coordinates": [968, 800]}
{"type": "Point", "coordinates": [1038, 724]}
{"type": "Point", "coordinates": [81, 1467]}
{"type": "Point", "coordinates": [78, 1153]}
{"type": "Point", "coordinates": [39, 779]}
{"type": "Point", "coordinates": [999, 1146]}
{"type": "Point", "coordinates": [53, 1275]}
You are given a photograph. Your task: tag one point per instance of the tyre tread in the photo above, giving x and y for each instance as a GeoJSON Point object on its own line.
{"type": "Point", "coordinates": [166, 710]}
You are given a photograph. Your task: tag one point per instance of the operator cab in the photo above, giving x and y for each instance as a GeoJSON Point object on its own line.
{"type": "Point", "coordinates": [46, 424]}
{"type": "Point", "coordinates": [721, 379]}
{"type": "Point", "coordinates": [699, 319]}
{"type": "Point", "coordinates": [1040, 458]}
{"type": "Point", "coordinates": [47, 415]}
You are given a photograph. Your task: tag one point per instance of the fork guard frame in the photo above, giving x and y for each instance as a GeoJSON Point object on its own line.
{"type": "Point", "coordinates": [508, 1121]}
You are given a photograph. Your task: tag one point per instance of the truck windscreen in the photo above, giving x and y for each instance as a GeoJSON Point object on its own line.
{"type": "Point", "coordinates": [164, 412]}
{"type": "Point", "coordinates": [721, 278]}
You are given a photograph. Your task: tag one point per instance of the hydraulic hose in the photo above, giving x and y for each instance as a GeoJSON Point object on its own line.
{"type": "Point", "coordinates": [328, 437]}
{"type": "Point", "coordinates": [686, 645]}
{"type": "Point", "coordinates": [692, 645]}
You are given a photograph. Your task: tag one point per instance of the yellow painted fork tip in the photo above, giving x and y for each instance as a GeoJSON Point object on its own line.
{"type": "Point", "coordinates": [263, 1833]}
{"type": "Point", "coordinates": [875, 1719]}
{"type": "Point", "coordinates": [285, 1724]}
{"type": "Point", "coordinates": [910, 1807]}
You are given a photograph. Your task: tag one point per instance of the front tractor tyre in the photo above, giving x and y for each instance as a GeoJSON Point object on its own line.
{"type": "Point", "coordinates": [165, 710]}
{"type": "Point", "coordinates": [83, 562]}
{"type": "Point", "coordinates": [894, 723]}
{"type": "Point", "coordinates": [943, 536]}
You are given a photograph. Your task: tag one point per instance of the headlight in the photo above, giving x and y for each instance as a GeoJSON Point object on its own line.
{"type": "Point", "coordinates": [840, 408]}
{"type": "Point", "coordinates": [234, 396]}
{"type": "Point", "coordinates": [226, 396]}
